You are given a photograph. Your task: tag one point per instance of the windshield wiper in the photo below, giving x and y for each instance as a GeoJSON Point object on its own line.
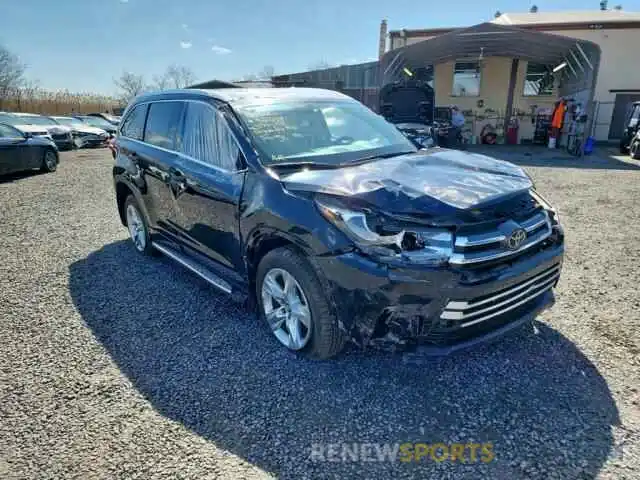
{"type": "Point", "coordinates": [379, 156]}
{"type": "Point", "coordinates": [319, 166]}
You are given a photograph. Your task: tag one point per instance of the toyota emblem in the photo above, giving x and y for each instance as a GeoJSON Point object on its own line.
{"type": "Point", "coordinates": [516, 238]}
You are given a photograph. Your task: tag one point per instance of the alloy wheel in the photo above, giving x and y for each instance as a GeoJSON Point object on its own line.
{"type": "Point", "coordinates": [137, 229]}
{"type": "Point", "coordinates": [286, 309]}
{"type": "Point", "coordinates": [50, 161]}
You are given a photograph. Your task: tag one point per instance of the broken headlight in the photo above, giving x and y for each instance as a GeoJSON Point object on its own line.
{"type": "Point", "coordinates": [420, 245]}
{"type": "Point", "coordinates": [553, 213]}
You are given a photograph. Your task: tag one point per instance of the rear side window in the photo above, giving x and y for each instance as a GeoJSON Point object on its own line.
{"type": "Point", "coordinates": [9, 132]}
{"type": "Point", "coordinates": [207, 137]}
{"type": "Point", "coordinates": [164, 124]}
{"type": "Point", "coordinates": [133, 125]}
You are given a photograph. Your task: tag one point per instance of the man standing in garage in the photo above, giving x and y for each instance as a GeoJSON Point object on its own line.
{"type": "Point", "coordinates": [457, 122]}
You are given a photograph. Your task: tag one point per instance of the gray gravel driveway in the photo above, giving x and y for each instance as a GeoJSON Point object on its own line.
{"type": "Point", "coordinates": [118, 366]}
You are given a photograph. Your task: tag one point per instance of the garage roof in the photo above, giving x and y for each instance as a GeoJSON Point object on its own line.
{"type": "Point", "coordinates": [491, 40]}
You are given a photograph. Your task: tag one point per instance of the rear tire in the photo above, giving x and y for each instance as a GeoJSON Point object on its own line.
{"type": "Point", "coordinates": [324, 339]}
{"type": "Point", "coordinates": [49, 161]}
{"type": "Point", "coordinates": [138, 227]}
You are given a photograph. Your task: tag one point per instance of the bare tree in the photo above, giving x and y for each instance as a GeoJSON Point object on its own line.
{"type": "Point", "coordinates": [497, 14]}
{"type": "Point", "coordinates": [11, 73]}
{"type": "Point", "coordinates": [180, 76]}
{"type": "Point", "coordinates": [130, 85]}
{"type": "Point", "coordinates": [618, 7]}
{"type": "Point", "coordinates": [533, 9]}
{"type": "Point", "coordinates": [603, 5]}
{"type": "Point", "coordinates": [160, 82]}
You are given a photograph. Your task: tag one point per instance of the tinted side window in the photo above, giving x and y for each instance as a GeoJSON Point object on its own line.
{"type": "Point", "coordinates": [133, 125]}
{"type": "Point", "coordinates": [164, 124]}
{"type": "Point", "coordinates": [207, 137]}
{"type": "Point", "coordinates": [200, 131]}
{"type": "Point", "coordinates": [228, 150]}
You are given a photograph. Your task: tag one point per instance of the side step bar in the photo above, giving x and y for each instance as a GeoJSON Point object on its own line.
{"type": "Point", "coordinates": [199, 270]}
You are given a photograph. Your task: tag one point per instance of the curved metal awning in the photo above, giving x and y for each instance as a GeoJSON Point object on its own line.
{"type": "Point", "coordinates": [494, 40]}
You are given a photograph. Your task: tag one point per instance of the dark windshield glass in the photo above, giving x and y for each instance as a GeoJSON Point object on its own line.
{"type": "Point", "coordinates": [333, 132]}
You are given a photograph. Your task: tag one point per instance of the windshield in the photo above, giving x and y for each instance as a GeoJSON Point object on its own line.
{"type": "Point", "coordinates": [96, 122]}
{"type": "Point", "coordinates": [69, 121]}
{"type": "Point", "coordinates": [334, 132]}
{"type": "Point", "coordinates": [8, 119]}
{"type": "Point", "coordinates": [36, 120]}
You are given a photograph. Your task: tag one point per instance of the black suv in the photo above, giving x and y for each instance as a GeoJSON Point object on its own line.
{"type": "Point", "coordinates": [337, 227]}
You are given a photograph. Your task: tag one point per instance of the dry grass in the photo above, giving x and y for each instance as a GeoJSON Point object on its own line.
{"type": "Point", "coordinates": [35, 100]}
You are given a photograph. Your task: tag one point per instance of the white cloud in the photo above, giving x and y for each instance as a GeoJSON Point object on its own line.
{"type": "Point", "coordinates": [124, 1]}
{"type": "Point", "coordinates": [186, 44]}
{"type": "Point", "coordinates": [185, 26]}
{"type": "Point", "coordinates": [218, 50]}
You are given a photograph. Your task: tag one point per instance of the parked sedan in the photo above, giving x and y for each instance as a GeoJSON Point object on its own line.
{"type": "Point", "coordinates": [98, 122]}
{"type": "Point", "coordinates": [112, 119]}
{"type": "Point", "coordinates": [60, 134]}
{"type": "Point", "coordinates": [17, 122]}
{"type": "Point", "coordinates": [84, 135]}
{"type": "Point", "coordinates": [22, 151]}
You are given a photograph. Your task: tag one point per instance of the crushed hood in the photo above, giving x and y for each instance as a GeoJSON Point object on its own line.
{"type": "Point", "coordinates": [89, 129]}
{"type": "Point", "coordinates": [418, 182]}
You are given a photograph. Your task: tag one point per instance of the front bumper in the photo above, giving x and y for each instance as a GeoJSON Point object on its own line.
{"type": "Point", "coordinates": [440, 309]}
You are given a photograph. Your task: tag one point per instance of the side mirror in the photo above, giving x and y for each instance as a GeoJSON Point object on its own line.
{"type": "Point", "coordinates": [28, 135]}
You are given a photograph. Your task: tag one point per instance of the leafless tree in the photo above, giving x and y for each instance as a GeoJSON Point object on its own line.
{"type": "Point", "coordinates": [11, 73]}
{"type": "Point", "coordinates": [603, 5]}
{"type": "Point", "coordinates": [497, 14]}
{"type": "Point", "coordinates": [533, 9]}
{"type": "Point", "coordinates": [160, 82]}
{"type": "Point", "coordinates": [618, 7]}
{"type": "Point", "coordinates": [179, 76]}
{"type": "Point", "coordinates": [130, 85]}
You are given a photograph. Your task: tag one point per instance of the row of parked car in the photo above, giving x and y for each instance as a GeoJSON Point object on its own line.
{"type": "Point", "coordinates": [29, 141]}
{"type": "Point", "coordinates": [66, 131]}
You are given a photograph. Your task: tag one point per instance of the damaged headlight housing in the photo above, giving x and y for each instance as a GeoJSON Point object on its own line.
{"type": "Point", "coordinates": [546, 205]}
{"type": "Point", "coordinates": [420, 245]}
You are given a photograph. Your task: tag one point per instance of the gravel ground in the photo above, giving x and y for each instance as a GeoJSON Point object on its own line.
{"type": "Point", "coordinates": [117, 366]}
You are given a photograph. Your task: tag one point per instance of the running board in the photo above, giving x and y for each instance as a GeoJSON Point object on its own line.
{"type": "Point", "coordinates": [199, 270]}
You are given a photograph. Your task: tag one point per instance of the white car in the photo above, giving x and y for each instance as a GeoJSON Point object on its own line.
{"type": "Point", "coordinates": [85, 135]}
{"type": "Point", "coordinates": [61, 135]}
{"type": "Point", "coordinates": [16, 122]}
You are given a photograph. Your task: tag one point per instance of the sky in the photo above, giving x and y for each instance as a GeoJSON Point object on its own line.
{"type": "Point", "coordinates": [82, 45]}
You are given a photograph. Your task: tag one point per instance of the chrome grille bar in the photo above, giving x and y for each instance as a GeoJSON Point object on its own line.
{"type": "Point", "coordinates": [538, 228]}
{"type": "Point", "coordinates": [466, 312]}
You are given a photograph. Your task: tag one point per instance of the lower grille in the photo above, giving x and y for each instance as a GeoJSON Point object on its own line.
{"type": "Point", "coordinates": [463, 314]}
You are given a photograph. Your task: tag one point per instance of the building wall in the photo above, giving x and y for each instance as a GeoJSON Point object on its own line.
{"type": "Point", "coordinates": [618, 70]}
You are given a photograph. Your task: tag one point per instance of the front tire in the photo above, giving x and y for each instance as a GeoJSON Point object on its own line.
{"type": "Point", "coordinates": [49, 161]}
{"type": "Point", "coordinates": [294, 306]}
{"type": "Point", "coordinates": [634, 150]}
{"type": "Point", "coordinates": [137, 226]}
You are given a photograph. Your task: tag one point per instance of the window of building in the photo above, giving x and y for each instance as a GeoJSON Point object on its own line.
{"type": "Point", "coordinates": [133, 125]}
{"type": "Point", "coordinates": [163, 124]}
{"type": "Point", "coordinates": [466, 79]}
{"type": "Point", "coordinates": [539, 80]}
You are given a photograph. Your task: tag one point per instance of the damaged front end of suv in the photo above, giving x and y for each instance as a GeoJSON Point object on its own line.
{"type": "Point", "coordinates": [449, 248]}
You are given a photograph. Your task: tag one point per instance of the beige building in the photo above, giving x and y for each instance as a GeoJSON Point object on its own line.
{"type": "Point", "coordinates": [480, 83]}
